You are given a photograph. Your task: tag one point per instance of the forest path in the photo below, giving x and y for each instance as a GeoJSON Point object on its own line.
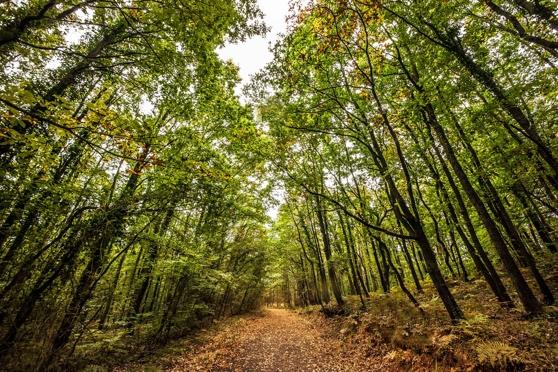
{"type": "Point", "coordinates": [277, 340]}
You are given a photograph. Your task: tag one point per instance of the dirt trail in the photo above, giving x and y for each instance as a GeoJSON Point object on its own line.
{"type": "Point", "coordinates": [278, 340]}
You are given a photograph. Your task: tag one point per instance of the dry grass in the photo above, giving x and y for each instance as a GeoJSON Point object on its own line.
{"type": "Point", "coordinates": [394, 336]}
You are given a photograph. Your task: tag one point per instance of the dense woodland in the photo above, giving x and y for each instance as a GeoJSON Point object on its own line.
{"type": "Point", "coordinates": [406, 144]}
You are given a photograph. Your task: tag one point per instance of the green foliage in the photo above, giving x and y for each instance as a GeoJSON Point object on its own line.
{"type": "Point", "coordinates": [412, 144]}
{"type": "Point", "coordinates": [130, 174]}
{"type": "Point", "coordinates": [427, 127]}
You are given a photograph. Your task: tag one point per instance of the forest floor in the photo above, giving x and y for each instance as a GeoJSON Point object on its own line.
{"type": "Point", "coordinates": [273, 340]}
{"type": "Point", "coordinates": [388, 335]}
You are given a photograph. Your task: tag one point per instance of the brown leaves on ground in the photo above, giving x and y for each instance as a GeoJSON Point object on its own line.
{"type": "Point", "coordinates": [394, 336]}
{"type": "Point", "coordinates": [276, 340]}
{"type": "Point", "coordinates": [389, 335]}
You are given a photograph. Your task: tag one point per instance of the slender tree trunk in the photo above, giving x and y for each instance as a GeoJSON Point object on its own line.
{"type": "Point", "coordinates": [500, 211]}
{"type": "Point", "coordinates": [68, 79]}
{"type": "Point", "coordinates": [110, 226]}
{"type": "Point", "coordinates": [323, 223]}
{"type": "Point", "coordinates": [111, 292]}
{"type": "Point", "coordinates": [528, 299]}
{"type": "Point", "coordinates": [13, 31]}
{"type": "Point", "coordinates": [453, 45]}
{"type": "Point", "coordinates": [399, 278]}
{"type": "Point", "coordinates": [149, 262]}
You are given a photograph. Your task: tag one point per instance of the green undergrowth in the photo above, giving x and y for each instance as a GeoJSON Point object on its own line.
{"type": "Point", "coordinates": [117, 349]}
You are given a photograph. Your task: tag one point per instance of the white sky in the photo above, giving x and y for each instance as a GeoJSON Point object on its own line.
{"type": "Point", "coordinates": [252, 55]}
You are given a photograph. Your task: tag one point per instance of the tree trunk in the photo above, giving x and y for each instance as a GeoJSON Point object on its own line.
{"type": "Point", "coordinates": [322, 220]}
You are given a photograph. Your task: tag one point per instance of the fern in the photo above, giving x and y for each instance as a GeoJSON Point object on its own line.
{"type": "Point", "coordinates": [497, 354]}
